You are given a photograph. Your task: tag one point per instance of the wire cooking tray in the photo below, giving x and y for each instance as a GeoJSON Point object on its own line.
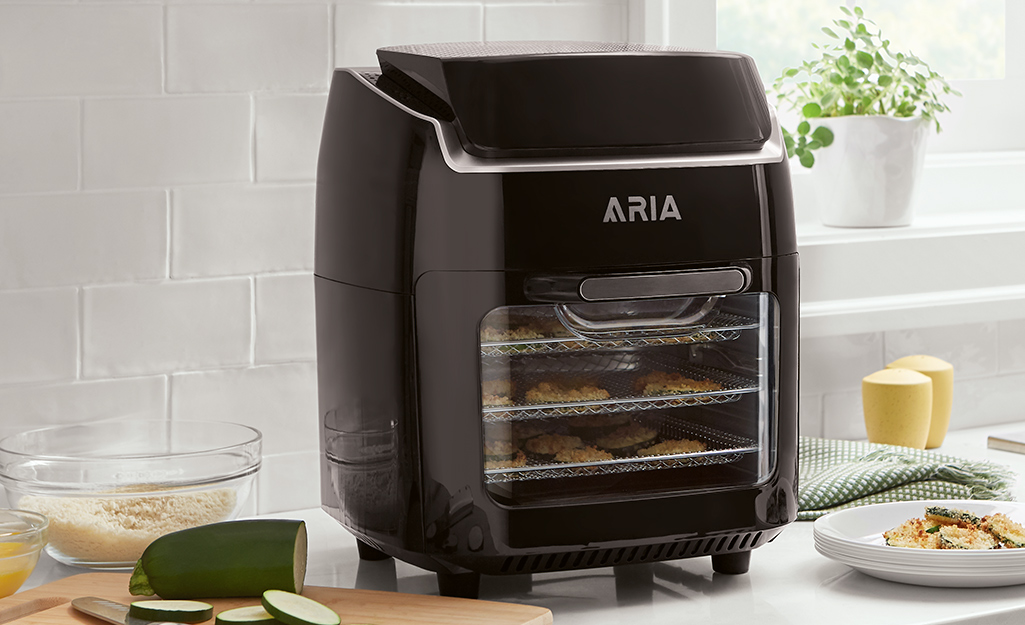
{"type": "Point", "coordinates": [721, 448]}
{"type": "Point", "coordinates": [722, 327]}
{"type": "Point", "coordinates": [622, 396]}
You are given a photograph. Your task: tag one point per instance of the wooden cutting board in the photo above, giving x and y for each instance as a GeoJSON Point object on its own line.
{"type": "Point", "coordinates": [50, 604]}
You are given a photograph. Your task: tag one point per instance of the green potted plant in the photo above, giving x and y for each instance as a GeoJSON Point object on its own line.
{"type": "Point", "coordinates": [872, 107]}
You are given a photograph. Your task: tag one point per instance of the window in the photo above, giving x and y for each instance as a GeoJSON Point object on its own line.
{"type": "Point", "coordinates": [970, 42]}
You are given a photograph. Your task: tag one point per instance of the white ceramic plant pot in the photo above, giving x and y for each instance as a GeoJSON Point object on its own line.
{"type": "Point", "coordinates": [867, 177]}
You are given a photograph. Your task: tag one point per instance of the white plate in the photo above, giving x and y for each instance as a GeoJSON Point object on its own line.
{"type": "Point", "coordinates": [855, 538]}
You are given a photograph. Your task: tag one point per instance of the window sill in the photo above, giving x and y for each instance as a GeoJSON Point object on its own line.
{"type": "Point", "coordinates": [955, 264]}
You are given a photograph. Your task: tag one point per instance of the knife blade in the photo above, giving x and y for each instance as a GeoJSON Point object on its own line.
{"type": "Point", "coordinates": [110, 611]}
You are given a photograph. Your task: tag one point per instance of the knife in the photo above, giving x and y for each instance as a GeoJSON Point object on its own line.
{"type": "Point", "coordinates": [110, 611]}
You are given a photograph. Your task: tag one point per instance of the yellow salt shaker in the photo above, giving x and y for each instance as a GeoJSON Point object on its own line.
{"type": "Point", "coordinates": [898, 407]}
{"type": "Point", "coordinates": [941, 373]}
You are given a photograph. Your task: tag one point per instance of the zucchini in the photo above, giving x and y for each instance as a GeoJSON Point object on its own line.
{"type": "Point", "coordinates": [250, 614]}
{"type": "Point", "coordinates": [956, 537]}
{"type": "Point", "coordinates": [293, 609]}
{"type": "Point", "coordinates": [228, 559]}
{"type": "Point", "coordinates": [948, 516]}
{"type": "Point", "coordinates": [1011, 534]}
{"type": "Point", "coordinates": [173, 611]}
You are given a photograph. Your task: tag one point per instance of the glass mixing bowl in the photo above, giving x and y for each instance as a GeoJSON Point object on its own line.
{"type": "Point", "coordinates": [112, 487]}
{"type": "Point", "coordinates": [22, 537]}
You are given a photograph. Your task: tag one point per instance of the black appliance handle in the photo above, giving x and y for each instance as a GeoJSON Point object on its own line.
{"type": "Point", "coordinates": [677, 284]}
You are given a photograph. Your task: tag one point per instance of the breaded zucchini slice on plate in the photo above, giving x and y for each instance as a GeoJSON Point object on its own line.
{"type": "Point", "coordinates": [913, 534]}
{"type": "Point", "coordinates": [952, 516]}
{"type": "Point", "coordinates": [957, 537]}
{"type": "Point", "coordinates": [1008, 532]}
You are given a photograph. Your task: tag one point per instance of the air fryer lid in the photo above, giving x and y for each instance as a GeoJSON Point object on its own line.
{"type": "Point", "coordinates": [573, 98]}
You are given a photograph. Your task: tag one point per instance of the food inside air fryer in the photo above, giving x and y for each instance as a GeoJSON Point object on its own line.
{"type": "Point", "coordinates": [626, 440]}
{"type": "Point", "coordinates": [230, 559]}
{"type": "Point", "coordinates": [511, 462]}
{"type": "Point", "coordinates": [497, 392]}
{"type": "Point", "coordinates": [551, 444]}
{"type": "Point", "coordinates": [496, 449]}
{"type": "Point", "coordinates": [566, 391]}
{"type": "Point", "coordinates": [671, 383]}
{"type": "Point", "coordinates": [596, 425]}
{"type": "Point", "coordinates": [119, 527]}
{"type": "Point", "coordinates": [952, 528]}
{"type": "Point", "coordinates": [499, 328]}
{"type": "Point", "coordinates": [670, 447]}
{"type": "Point", "coordinates": [587, 454]}
{"type": "Point", "coordinates": [523, 430]}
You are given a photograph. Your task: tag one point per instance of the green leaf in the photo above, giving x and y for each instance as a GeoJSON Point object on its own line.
{"type": "Point", "coordinates": [830, 32]}
{"type": "Point", "coordinates": [829, 99]}
{"type": "Point", "coordinates": [803, 128]}
{"type": "Point", "coordinates": [836, 78]}
{"type": "Point", "coordinates": [848, 44]}
{"type": "Point", "coordinates": [807, 159]}
{"type": "Point", "coordinates": [861, 30]}
{"type": "Point", "coordinates": [859, 12]}
{"type": "Point", "coordinates": [790, 73]}
{"type": "Point", "coordinates": [845, 10]}
{"type": "Point", "coordinates": [811, 110]}
{"type": "Point", "coordinates": [933, 529]}
{"type": "Point", "coordinates": [843, 23]}
{"type": "Point", "coordinates": [843, 62]}
{"type": "Point", "coordinates": [864, 59]}
{"type": "Point", "coordinates": [848, 109]}
{"type": "Point", "coordinates": [789, 142]}
{"type": "Point", "coordinates": [823, 135]}
{"type": "Point", "coordinates": [814, 145]}
{"type": "Point", "coordinates": [885, 81]}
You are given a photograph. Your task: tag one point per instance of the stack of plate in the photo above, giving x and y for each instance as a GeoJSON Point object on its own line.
{"type": "Point", "coordinates": [855, 538]}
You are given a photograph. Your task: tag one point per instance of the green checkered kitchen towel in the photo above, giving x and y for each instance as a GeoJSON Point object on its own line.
{"type": "Point", "coordinates": [838, 474]}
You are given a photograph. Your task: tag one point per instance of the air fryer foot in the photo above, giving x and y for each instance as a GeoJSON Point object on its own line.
{"type": "Point", "coordinates": [366, 552]}
{"type": "Point", "coordinates": [732, 563]}
{"type": "Point", "coordinates": [465, 585]}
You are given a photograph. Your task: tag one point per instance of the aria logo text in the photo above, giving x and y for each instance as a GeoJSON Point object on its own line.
{"type": "Point", "coordinates": [640, 208]}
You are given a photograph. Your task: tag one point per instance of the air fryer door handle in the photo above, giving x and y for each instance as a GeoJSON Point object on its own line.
{"type": "Point", "coordinates": [676, 284]}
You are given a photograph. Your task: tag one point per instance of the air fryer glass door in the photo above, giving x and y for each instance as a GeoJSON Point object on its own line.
{"type": "Point", "coordinates": [628, 398]}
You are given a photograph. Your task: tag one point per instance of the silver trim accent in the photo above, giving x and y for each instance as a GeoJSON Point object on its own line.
{"type": "Point", "coordinates": [680, 284]}
{"type": "Point", "coordinates": [773, 151]}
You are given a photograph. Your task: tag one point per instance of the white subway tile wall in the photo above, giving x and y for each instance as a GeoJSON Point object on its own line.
{"type": "Point", "coordinates": [157, 168]}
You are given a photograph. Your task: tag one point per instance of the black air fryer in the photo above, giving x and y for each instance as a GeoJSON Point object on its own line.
{"type": "Point", "coordinates": [557, 309]}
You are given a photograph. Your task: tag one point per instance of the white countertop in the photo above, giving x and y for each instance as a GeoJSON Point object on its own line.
{"type": "Point", "coordinates": [789, 582]}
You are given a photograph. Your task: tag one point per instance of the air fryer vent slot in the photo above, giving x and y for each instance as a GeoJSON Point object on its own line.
{"type": "Point", "coordinates": [543, 563]}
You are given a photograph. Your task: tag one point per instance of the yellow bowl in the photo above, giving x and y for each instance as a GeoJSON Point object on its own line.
{"type": "Point", "coordinates": [22, 537]}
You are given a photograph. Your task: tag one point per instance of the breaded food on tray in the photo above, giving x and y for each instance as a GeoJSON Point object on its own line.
{"type": "Point", "coordinates": [586, 454]}
{"type": "Point", "coordinates": [670, 447]}
{"type": "Point", "coordinates": [625, 441]}
{"type": "Point", "coordinates": [517, 461]}
{"type": "Point", "coordinates": [548, 446]}
{"type": "Point", "coordinates": [565, 391]}
{"type": "Point", "coordinates": [672, 383]}
{"type": "Point", "coordinates": [497, 392]}
{"type": "Point", "coordinates": [509, 328]}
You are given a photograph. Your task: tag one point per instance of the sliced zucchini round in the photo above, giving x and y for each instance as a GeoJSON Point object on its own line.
{"type": "Point", "coordinates": [250, 614]}
{"type": "Point", "coordinates": [175, 611]}
{"type": "Point", "coordinates": [293, 609]}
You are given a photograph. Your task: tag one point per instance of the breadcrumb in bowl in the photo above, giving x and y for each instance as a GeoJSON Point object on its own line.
{"type": "Point", "coordinates": [110, 488]}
